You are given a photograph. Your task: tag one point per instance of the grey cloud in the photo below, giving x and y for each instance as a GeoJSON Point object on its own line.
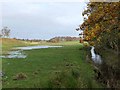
{"type": "Point", "coordinates": [41, 19]}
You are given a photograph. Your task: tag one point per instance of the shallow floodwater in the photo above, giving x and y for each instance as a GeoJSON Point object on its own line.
{"type": "Point", "coordinates": [18, 52]}
{"type": "Point", "coordinates": [35, 47]}
{"type": "Point", "coordinates": [95, 57]}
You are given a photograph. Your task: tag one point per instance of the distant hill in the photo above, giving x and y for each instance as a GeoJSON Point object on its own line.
{"type": "Point", "coordinates": [62, 39]}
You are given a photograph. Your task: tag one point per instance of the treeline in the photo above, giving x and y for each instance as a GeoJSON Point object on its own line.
{"type": "Point", "coordinates": [30, 40]}
{"type": "Point", "coordinates": [101, 28]}
{"type": "Point", "coordinates": [53, 40]}
{"type": "Point", "coordinates": [60, 39]}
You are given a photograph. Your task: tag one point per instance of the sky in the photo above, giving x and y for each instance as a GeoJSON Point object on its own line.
{"type": "Point", "coordinates": [42, 20]}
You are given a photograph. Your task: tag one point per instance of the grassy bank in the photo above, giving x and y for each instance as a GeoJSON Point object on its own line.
{"type": "Point", "coordinates": [7, 44]}
{"type": "Point", "coordinates": [52, 67]}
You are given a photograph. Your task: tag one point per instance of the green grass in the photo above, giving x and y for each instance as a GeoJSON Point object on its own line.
{"type": "Point", "coordinates": [67, 43]}
{"type": "Point", "coordinates": [7, 44]}
{"type": "Point", "coordinates": [52, 67]}
{"type": "Point", "coordinates": [41, 67]}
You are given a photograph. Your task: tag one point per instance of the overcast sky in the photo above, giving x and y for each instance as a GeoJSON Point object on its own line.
{"type": "Point", "coordinates": [42, 20]}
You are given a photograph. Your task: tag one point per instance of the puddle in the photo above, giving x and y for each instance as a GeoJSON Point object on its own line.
{"type": "Point", "coordinates": [15, 54]}
{"type": "Point", "coordinates": [36, 47]}
{"type": "Point", "coordinates": [95, 57]}
{"type": "Point", "coordinates": [18, 52]}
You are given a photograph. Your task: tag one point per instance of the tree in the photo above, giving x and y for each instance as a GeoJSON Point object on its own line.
{"type": "Point", "coordinates": [102, 23]}
{"type": "Point", "coordinates": [101, 28]}
{"type": "Point", "coordinates": [5, 32]}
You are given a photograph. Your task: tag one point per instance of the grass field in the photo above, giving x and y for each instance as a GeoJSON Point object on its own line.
{"type": "Point", "coordinates": [7, 44]}
{"type": "Point", "coordinates": [52, 67]}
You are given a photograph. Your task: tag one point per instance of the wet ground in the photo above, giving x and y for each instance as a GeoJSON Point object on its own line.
{"type": "Point", "coordinates": [95, 57]}
{"type": "Point", "coordinates": [18, 52]}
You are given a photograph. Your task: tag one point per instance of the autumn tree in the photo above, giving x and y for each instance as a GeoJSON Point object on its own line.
{"type": "Point", "coordinates": [102, 20]}
{"type": "Point", "coordinates": [101, 28]}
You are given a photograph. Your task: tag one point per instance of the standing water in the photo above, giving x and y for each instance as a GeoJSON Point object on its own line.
{"type": "Point", "coordinates": [95, 57]}
{"type": "Point", "coordinates": [18, 52]}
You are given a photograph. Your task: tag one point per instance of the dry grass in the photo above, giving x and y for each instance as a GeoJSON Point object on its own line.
{"type": "Point", "coordinates": [20, 76]}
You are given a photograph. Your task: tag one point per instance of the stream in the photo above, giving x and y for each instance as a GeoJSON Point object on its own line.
{"type": "Point", "coordinates": [95, 57]}
{"type": "Point", "coordinates": [18, 52]}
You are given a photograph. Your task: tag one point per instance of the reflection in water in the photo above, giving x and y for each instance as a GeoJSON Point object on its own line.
{"type": "Point", "coordinates": [16, 54]}
{"type": "Point", "coordinates": [19, 53]}
{"type": "Point", "coordinates": [36, 47]}
{"type": "Point", "coordinates": [95, 57]}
